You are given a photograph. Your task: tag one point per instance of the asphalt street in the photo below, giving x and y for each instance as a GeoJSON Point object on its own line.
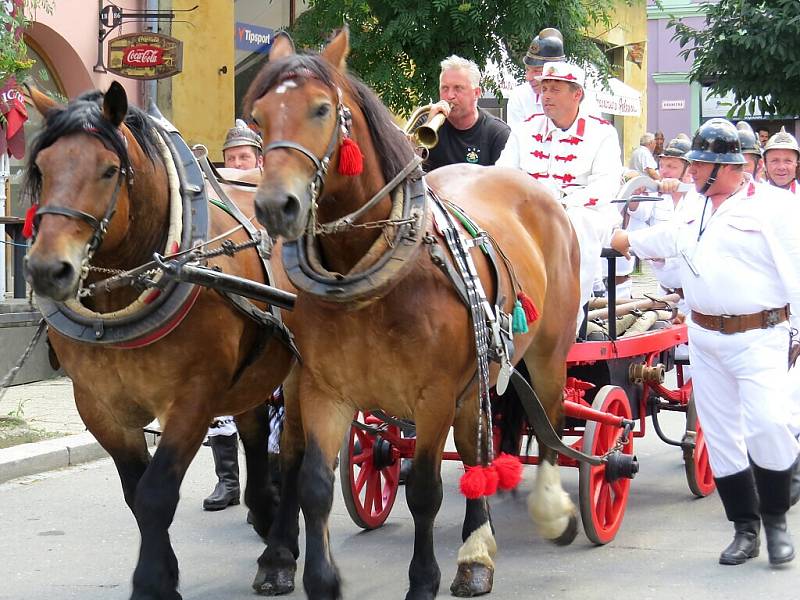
{"type": "Point", "coordinates": [67, 534]}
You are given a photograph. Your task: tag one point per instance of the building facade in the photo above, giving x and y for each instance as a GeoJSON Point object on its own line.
{"type": "Point", "coordinates": [676, 105]}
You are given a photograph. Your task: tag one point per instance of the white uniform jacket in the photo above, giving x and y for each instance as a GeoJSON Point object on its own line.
{"type": "Point", "coordinates": [581, 164]}
{"type": "Point", "coordinates": [741, 259]}
{"type": "Point", "coordinates": [649, 214]}
{"type": "Point", "coordinates": [523, 103]}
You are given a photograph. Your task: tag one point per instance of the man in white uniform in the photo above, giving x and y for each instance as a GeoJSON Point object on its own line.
{"type": "Point", "coordinates": [741, 280]}
{"type": "Point", "coordinates": [642, 159]}
{"type": "Point", "coordinates": [751, 150]}
{"type": "Point", "coordinates": [525, 99]}
{"type": "Point", "coordinates": [576, 156]}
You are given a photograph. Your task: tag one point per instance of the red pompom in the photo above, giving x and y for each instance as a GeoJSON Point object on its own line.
{"type": "Point", "coordinates": [27, 227]}
{"type": "Point", "coordinates": [492, 480]}
{"type": "Point", "coordinates": [351, 161]}
{"type": "Point", "coordinates": [509, 471]}
{"type": "Point", "coordinates": [473, 482]}
{"type": "Point", "coordinates": [531, 314]}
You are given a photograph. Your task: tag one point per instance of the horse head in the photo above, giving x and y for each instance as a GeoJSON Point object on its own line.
{"type": "Point", "coordinates": [310, 113]}
{"type": "Point", "coordinates": [79, 175]}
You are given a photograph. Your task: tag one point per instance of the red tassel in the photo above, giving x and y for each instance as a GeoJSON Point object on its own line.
{"type": "Point", "coordinates": [473, 482]}
{"type": "Point", "coordinates": [351, 161]}
{"type": "Point", "coordinates": [531, 313]}
{"type": "Point", "coordinates": [509, 471]}
{"type": "Point", "coordinates": [27, 228]}
{"type": "Point", "coordinates": [492, 480]}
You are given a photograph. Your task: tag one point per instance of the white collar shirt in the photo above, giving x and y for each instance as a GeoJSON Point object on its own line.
{"type": "Point", "coordinates": [740, 259]}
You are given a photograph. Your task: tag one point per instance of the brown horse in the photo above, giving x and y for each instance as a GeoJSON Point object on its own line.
{"type": "Point", "coordinates": [92, 152]}
{"type": "Point", "coordinates": [405, 346]}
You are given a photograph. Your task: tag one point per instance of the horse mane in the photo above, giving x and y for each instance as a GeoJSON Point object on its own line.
{"type": "Point", "coordinates": [391, 145]}
{"type": "Point", "coordinates": [84, 114]}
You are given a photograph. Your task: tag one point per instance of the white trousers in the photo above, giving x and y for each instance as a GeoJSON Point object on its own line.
{"type": "Point", "coordinates": [593, 228]}
{"type": "Point", "coordinates": [794, 385]}
{"type": "Point", "coordinates": [741, 390]}
{"type": "Point", "coordinates": [222, 426]}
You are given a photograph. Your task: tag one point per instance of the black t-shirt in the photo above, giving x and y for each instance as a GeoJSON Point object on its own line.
{"type": "Point", "coordinates": [481, 144]}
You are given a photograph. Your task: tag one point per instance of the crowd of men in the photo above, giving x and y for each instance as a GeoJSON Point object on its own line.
{"type": "Point", "coordinates": [722, 232]}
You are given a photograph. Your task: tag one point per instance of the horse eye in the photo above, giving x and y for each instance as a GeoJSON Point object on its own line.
{"type": "Point", "coordinates": [323, 110]}
{"type": "Point", "coordinates": [110, 172]}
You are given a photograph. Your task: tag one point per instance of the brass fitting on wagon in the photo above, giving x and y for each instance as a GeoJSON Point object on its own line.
{"type": "Point", "coordinates": [646, 373]}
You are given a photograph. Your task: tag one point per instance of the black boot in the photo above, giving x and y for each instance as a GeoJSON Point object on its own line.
{"type": "Point", "coordinates": [738, 495]}
{"type": "Point", "coordinates": [774, 491]}
{"type": "Point", "coordinates": [225, 449]}
{"type": "Point", "coordinates": [795, 489]}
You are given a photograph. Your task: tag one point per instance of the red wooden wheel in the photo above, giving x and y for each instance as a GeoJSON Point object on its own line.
{"type": "Point", "coordinates": [698, 468]}
{"type": "Point", "coordinates": [602, 502]}
{"type": "Point", "coordinates": [369, 473]}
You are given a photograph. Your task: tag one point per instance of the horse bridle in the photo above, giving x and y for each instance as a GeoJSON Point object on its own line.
{"type": "Point", "coordinates": [99, 227]}
{"type": "Point", "coordinates": [317, 182]}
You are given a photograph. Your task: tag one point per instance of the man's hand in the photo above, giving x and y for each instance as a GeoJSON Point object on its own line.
{"type": "Point", "coordinates": [668, 185]}
{"type": "Point", "coordinates": [440, 107]}
{"type": "Point", "coordinates": [620, 243]}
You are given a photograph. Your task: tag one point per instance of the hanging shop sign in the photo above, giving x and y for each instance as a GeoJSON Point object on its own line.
{"type": "Point", "coordinates": [145, 56]}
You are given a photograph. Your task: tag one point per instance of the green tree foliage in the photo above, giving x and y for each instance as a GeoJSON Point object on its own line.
{"type": "Point", "coordinates": [750, 48]}
{"type": "Point", "coordinates": [13, 52]}
{"type": "Point", "coordinates": [397, 44]}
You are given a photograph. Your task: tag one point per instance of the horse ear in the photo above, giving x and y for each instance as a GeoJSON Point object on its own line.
{"type": "Point", "coordinates": [337, 50]}
{"type": "Point", "coordinates": [282, 46]}
{"type": "Point", "coordinates": [115, 104]}
{"type": "Point", "coordinates": [43, 103]}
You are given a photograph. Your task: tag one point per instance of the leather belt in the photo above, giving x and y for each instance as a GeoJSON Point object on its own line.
{"type": "Point", "coordinates": [729, 324]}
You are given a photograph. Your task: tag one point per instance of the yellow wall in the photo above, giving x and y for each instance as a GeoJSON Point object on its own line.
{"type": "Point", "coordinates": [202, 97]}
{"type": "Point", "coordinates": [630, 28]}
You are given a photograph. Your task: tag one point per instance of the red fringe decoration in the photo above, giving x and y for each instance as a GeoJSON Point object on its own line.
{"type": "Point", "coordinates": [351, 161]}
{"type": "Point", "coordinates": [509, 471]}
{"type": "Point", "coordinates": [492, 480]}
{"type": "Point", "coordinates": [473, 482]}
{"type": "Point", "coordinates": [27, 228]}
{"type": "Point", "coordinates": [531, 313]}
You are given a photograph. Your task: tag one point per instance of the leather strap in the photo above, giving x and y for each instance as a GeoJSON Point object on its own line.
{"type": "Point", "coordinates": [729, 324]}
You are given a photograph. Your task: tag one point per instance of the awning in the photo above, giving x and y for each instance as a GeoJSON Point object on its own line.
{"type": "Point", "coordinates": [617, 99]}
{"type": "Point", "coordinates": [12, 132]}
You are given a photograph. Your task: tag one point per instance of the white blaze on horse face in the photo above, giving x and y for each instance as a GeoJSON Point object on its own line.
{"type": "Point", "coordinates": [549, 505]}
{"type": "Point", "coordinates": [286, 85]}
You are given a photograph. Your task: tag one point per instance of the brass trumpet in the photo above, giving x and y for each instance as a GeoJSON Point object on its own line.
{"type": "Point", "coordinates": [424, 131]}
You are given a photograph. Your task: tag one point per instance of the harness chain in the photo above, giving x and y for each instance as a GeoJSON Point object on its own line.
{"type": "Point", "coordinates": [11, 375]}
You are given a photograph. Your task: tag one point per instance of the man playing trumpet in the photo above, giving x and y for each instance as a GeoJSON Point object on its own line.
{"type": "Point", "coordinates": [468, 134]}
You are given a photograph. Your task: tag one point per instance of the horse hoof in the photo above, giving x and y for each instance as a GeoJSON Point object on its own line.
{"type": "Point", "coordinates": [472, 579]}
{"type": "Point", "coordinates": [566, 538]}
{"type": "Point", "coordinates": [274, 581]}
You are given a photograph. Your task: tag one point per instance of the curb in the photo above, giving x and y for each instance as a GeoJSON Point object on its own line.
{"type": "Point", "coordinates": [37, 457]}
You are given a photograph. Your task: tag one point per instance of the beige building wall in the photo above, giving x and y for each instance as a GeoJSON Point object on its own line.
{"type": "Point", "coordinates": [630, 28]}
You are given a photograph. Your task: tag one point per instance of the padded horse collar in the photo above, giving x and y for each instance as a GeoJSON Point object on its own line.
{"type": "Point", "coordinates": [376, 280]}
{"type": "Point", "coordinates": [165, 310]}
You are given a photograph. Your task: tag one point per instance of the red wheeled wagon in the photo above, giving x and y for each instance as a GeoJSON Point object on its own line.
{"type": "Point", "coordinates": [612, 387]}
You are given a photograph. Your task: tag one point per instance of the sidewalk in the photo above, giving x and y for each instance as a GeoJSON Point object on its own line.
{"type": "Point", "coordinates": [48, 406]}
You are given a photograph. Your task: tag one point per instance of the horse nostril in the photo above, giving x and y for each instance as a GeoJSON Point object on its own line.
{"type": "Point", "coordinates": [62, 272]}
{"type": "Point", "coordinates": [291, 208]}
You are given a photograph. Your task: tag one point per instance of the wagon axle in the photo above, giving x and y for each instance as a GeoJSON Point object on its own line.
{"type": "Point", "coordinates": [621, 465]}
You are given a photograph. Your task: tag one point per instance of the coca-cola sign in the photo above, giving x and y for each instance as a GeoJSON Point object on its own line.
{"type": "Point", "coordinates": [145, 56]}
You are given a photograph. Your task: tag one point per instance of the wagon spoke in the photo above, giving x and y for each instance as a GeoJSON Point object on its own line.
{"type": "Point", "coordinates": [378, 497]}
{"type": "Point", "coordinates": [369, 497]}
{"type": "Point", "coordinates": [366, 454]}
{"type": "Point", "coordinates": [603, 500]}
{"type": "Point", "coordinates": [363, 474]}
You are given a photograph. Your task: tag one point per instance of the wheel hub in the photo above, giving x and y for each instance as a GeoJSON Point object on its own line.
{"type": "Point", "coordinates": [382, 453]}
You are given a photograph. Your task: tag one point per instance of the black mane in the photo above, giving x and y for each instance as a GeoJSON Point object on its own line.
{"type": "Point", "coordinates": [393, 148]}
{"type": "Point", "coordinates": [85, 114]}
